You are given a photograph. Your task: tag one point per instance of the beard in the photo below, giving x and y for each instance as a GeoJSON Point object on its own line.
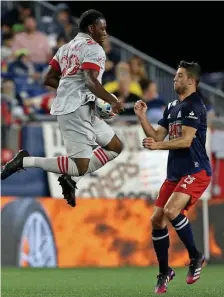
{"type": "Point", "coordinates": [180, 90]}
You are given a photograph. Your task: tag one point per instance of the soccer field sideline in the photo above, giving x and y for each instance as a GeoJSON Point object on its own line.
{"type": "Point", "coordinates": [106, 282]}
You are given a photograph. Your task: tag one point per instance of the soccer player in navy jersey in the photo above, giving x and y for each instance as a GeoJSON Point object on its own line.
{"type": "Point", "coordinates": [188, 169]}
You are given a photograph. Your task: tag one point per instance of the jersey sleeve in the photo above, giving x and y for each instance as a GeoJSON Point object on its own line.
{"type": "Point", "coordinates": [164, 121]}
{"type": "Point", "coordinates": [190, 116]}
{"type": "Point", "coordinates": [94, 58]}
{"type": "Point", "coordinates": [55, 62]}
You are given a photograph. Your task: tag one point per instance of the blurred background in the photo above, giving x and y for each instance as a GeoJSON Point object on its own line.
{"type": "Point", "coordinates": [110, 225]}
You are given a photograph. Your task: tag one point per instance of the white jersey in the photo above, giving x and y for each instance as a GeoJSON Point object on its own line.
{"type": "Point", "coordinates": [80, 53]}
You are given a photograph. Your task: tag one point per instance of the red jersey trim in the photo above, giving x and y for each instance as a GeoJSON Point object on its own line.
{"type": "Point", "coordinates": [55, 65]}
{"type": "Point", "coordinates": [88, 65]}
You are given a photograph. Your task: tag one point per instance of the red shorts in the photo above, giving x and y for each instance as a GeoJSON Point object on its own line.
{"type": "Point", "coordinates": [193, 185]}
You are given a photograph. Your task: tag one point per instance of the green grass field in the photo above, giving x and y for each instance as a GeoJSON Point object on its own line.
{"type": "Point", "coordinates": [101, 282]}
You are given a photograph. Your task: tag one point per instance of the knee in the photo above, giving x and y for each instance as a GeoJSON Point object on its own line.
{"type": "Point", "coordinates": [158, 222]}
{"type": "Point", "coordinates": [170, 212]}
{"type": "Point", "coordinates": [82, 170]}
{"type": "Point", "coordinates": [115, 145]}
{"type": "Point", "coordinates": [119, 146]}
{"type": "Point", "coordinates": [82, 165]}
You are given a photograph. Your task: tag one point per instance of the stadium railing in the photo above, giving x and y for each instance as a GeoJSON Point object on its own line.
{"type": "Point", "coordinates": [158, 71]}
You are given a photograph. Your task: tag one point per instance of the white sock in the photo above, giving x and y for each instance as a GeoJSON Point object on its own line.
{"type": "Point", "coordinates": [61, 164]}
{"type": "Point", "coordinates": [99, 158]}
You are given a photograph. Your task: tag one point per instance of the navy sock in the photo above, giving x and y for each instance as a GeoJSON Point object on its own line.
{"type": "Point", "coordinates": [183, 229]}
{"type": "Point", "coordinates": [161, 244]}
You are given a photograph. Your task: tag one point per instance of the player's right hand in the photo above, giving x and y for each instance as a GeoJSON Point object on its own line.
{"type": "Point", "coordinates": [118, 107]}
{"type": "Point", "coordinates": [140, 108]}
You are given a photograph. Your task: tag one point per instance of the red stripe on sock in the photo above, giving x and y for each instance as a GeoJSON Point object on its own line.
{"type": "Point", "coordinates": [102, 155]}
{"type": "Point", "coordinates": [59, 164]}
{"type": "Point", "coordinates": [66, 164]}
{"type": "Point", "coordinates": [99, 157]}
{"type": "Point", "coordinates": [63, 164]}
{"type": "Point", "coordinates": [102, 151]}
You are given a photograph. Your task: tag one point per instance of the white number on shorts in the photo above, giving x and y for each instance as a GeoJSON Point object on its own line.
{"type": "Point", "coordinates": [189, 179]}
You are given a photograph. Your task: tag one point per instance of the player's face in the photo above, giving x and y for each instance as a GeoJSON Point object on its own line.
{"type": "Point", "coordinates": [99, 32]}
{"type": "Point", "coordinates": [181, 81]}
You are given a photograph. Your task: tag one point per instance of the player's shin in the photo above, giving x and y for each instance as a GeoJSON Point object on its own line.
{"type": "Point", "coordinates": [99, 158]}
{"type": "Point", "coordinates": [61, 164]}
{"type": "Point", "coordinates": [183, 229]}
{"type": "Point", "coordinates": [161, 244]}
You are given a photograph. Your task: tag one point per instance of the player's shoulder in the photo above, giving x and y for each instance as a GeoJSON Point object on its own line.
{"type": "Point", "coordinates": [88, 45]}
{"type": "Point", "coordinates": [93, 47]}
{"type": "Point", "coordinates": [195, 101]}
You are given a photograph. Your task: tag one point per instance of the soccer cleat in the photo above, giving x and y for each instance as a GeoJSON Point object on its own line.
{"type": "Point", "coordinates": [163, 280]}
{"type": "Point", "coordinates": [68, 189]}
{"type": "Point", "coordinates": [15, 165]}
{"type": "Point", "coordinates": [171, 273]}
{"type": "Point", "coordinates": [195, 267]}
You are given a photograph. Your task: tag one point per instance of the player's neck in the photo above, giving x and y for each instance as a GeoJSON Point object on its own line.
{"type": "Point", "coordinates": [186, 94]}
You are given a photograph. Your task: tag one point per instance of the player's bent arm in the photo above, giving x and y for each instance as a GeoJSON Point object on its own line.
{"type": "Point", "coordinates": [52, 78]}
{"type": "Point", "coordinates": [158, 134]}
{"type": "Point", "coordinates": [96, 88]}
{"type": "Point", "coordinates": [182, 142]}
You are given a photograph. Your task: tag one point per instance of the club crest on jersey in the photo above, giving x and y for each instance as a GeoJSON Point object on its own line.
{"type": "Point", "coordinates": [175, 130]}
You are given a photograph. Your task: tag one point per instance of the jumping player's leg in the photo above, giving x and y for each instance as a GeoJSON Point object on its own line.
{"type": "Point", "coordinates": [186, 193]}
{"type": "Point", "coordinates": [160, 237]}
{"type": "Point", "coordinates": [110, 146]}
{"type": "Point", "coordinates": [79, 137]}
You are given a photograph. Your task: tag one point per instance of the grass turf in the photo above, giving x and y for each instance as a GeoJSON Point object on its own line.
{"type": "Point", "coordinates": [106, 282]}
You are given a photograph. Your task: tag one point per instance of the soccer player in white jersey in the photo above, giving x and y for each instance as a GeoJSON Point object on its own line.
{"type": "Point", "coordinates": [76, 72]}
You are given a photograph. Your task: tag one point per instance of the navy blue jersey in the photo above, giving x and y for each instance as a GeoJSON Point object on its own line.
{"type": "Point", "coordinates": [189, 112]}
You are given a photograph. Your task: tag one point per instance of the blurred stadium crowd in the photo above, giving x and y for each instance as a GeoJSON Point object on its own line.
{"type": "Point", "coordinates": [27, 47]}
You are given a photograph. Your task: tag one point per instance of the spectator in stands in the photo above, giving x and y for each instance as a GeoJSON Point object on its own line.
{"type": "Point", "coordinates": [124, 94]}
{"type": "Point", "coordinates": [11, 105]}
{"type": "Point", "coordinates": [6, 49]}
{"type": "Point", "coordinates": [22, 66]}
{"type": "Point", "coordinates": [34, 41]}
{"type": "Point", "coordinates": [112, 58]}
{"type": "Point", "coordinates": [123, 70]}
{"type": "Point", "coordinates": [61, 40]}
{"type": "Point", "coordinates": [155, 104]}
{"type": "Point", "coordinates": [61, 23]}
{"type": "Point", "coordinates": [137, 69]}
{"type": "Point", "coordinates": [14, 19]}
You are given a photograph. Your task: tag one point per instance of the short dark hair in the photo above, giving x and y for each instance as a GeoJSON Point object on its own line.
{"type": "Point", "coordinates": [192, 68]}
{"type": "Point", "coordinates": [89, 17]}
{"type": "Point", "coordinates": [144, 83]}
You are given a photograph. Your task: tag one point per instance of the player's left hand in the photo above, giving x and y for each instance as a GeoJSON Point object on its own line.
{"type": "Point", "coordinates": [149, 143]}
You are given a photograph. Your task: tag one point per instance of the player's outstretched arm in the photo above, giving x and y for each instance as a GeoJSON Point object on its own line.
{"type": "Point", "coordinates": [183, 142]}
{"type": "Point", "coordinates": [98, 90]}
{"type": "Point", "coordinates": [188, 134]}
{"type": "Point", "coordinates": [52, 78]}
{"type": "Point", "coordinates": [158, 134]}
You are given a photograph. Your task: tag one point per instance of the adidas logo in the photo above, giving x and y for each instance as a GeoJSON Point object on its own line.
{"type": "Point", "coordinates": [169, 116]}
{"type": "Point", "coordinates": [191, 113]}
